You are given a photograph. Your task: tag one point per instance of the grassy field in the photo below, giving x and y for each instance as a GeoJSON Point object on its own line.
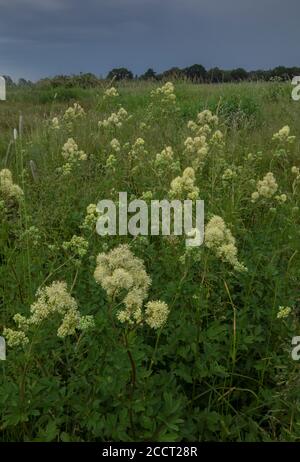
{"type": "Point", "coordinates": [94, 351]}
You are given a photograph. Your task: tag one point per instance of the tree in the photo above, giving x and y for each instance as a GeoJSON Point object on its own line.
{"type": "Point", "coordinates": [171, 74]}
{"type": "Point", "coordinates": [24, 83]}
{"type": "Point", "coordinates": [196, 72]}
{"type": "Point", "coordinates": [149, 75]}
{"type": "Point", "coordinates": [120, 74]}
{"type": "Point", "coordinates": [215, 75]}
{"type": "Point", "coordinates": [239, 74]}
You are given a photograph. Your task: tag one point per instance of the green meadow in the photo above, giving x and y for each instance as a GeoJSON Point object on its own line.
{"type": "Point", "coordinates": [142, 338]}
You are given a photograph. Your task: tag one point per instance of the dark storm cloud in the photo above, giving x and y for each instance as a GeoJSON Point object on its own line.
{"type": "Point", "coordinates": [43, 37]}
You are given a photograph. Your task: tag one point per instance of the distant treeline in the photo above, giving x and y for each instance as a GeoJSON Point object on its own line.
{"type": "Point", "coordinates": [195, 73]}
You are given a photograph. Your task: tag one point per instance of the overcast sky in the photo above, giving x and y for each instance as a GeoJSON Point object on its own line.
{"type": "Point", "coordinates": [47, 37]}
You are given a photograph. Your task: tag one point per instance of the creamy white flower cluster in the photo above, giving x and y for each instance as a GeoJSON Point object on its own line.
{"type": "Point", "coordinates": [206, 120]}
{"type": "Point", "coordinates": [183, 187]}
{"type": "Point", "coordinates": [72, 155]}
{"type": "Point", "coordinates": [196, 148]}
{"type": "Point", "coordinates": [31, 234]}
{"type": "Point", "coordinates": [51, 301]}
{"type": "Point", "coordinates": [164, 161]}
{"type": "Point", "coordinates": [138, 149]}
{"type": "Point", "coordinates": [73, 112]}
{"type": "Point", "coordinates": [111, 162]}
{"type": "Point", "coordinates": [115, 145]}
{"type": "Point", "coordinates": [229, 174]}
{"type": "Point", "coordinates": [220, 240]}
{"type": "Point", "coordinates": [296, 171]}
{"type": "Point", "coordinates": [165, 93]}
{"type": "Point", "coordinates": [54, 123]}
{"type": "Point", "coordinates": [266, 187]}
{"type": "Point", "coordinates": [91, 217]}
{"type": "Point", "coordinates": [115, 120]}
{"type": "Point", "coordinates": [77, 246]}
{"type": "Point", "coordinates": [123, 276]}
{"type": "Point", "coordinates": [283, 312]}
{"type": "Point", "coordinates": [10, 192]}
{"type": "Point", "coordinates": [111, 92]}
{"type": "Point", "coordinates": [283, 136]}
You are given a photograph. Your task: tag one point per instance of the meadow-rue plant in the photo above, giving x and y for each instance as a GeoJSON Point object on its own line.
{"type": "Point", "coordinates": [73, 112]}
{"type": "Point", "coordinates": [266, 187]}
{"type": "Point", "coordinates": [156, 314]}
{"type": "Point", "coordinates": [10, 192]}
{"type": "Point", "coordinates": [111, 92]}
{"type": "Point", "coordinates": [51, 301]}
{"type": "Point", "coordinates": [183, 187]}
{"type": "Point", "coordinates": [73, 155]}
{"type": "Point", "coordinates": [115, 145]}
{"type": "Point", "coordinates": [220, 240]}
{"type": "Point", "coordinates": [165, 93]}
{"type": "Point", "coordinates": [283, 136]}
{"type": "Point", "coordinates": [91, 218]}
{"type": "Point", "coordinates": [165, 163]}
{"type": "Point", "coordinates": [77, 246]}
{"type": "Point", "coordinates": [122, 275]}
{"type": "Point", "coordinates": [284, 312]}
{"type": "Point", "coordinates": [196, 150]}
{"type": "Point", "coordinates": [151, 340]}
{"type": "Point", "coordinates": [115, 120]}
{"type": "Point", "coordinates": [15, 338]}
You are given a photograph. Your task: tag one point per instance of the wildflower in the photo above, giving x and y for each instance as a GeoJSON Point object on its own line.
{"type": "Point", "coordinates": [91, 217]}
{"type": "Point", "coordinates": [51, 300]}
{"type": "Point", "coordinates": [295, 170]}
{"type": "Point", "coordinates": [207, 117]}
{"type": "Point", "coordinates": [166, 93]}
{"type": "Point", "coordinates": [255, 196]}
{"type": "Point", "coordinates": [55, 123]}
{"type": "Point", "coordinates": [31, 234]}
{"type": "Point", "coordinates": [138, 148]}
{"type": "Point", "coordinates": [266, 187]}
{"type": "Point", "coordinates": [120, 269]}
{"type": "Point", "coordinates": [220, 239]}
{"type": "Point", "coordinates": [115, 145]}
{"type": "Point", "coordinates": [282, 198]}
{"type": "Point", "coordinates": [69, 323]}
{"type": "Point", "coordinates": [147, 196]}
{"type": "Point", "coordinates": [86, 323]}
{"type": "Point", "coordinates": [229, 174]}
{"type": "Point", "coordinates": [198, 147]}
{"type": "Point", "coordinates": [78, 246]}
{"type": "Point", "coordinates": [66, 169]}
{"type": "Point", "coordinates": [73, 112]}
{"type": "Point", "coordinates": [71, 152]}
{"type": "Point", "coordinates": [15, 338]}
{"type": "Point", "coordinates": [111, 92]}
{"type": "Point", "coordinates": [72, 155]}
{"type": "Point", "coordinates": [283, 312]}
{"type": "Point", "coordinates": [156, 314]}
{"type": "Point", "coordinates": [111, 162]}
{"type": "Point", "coordinates": [283, 136]}
{"type": "Point", "coordinates": [165, 160]}
{"type": "Point", "coordinates": [183, 186]}
{"type": "Point", "coordinates": [21, 321]}
{"type": "Point", "coordinates": [115, 120]}
{"type": "Point", "coordinates": [10, 192]}
{"type": "Point", "coordinates": [217, 139]}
